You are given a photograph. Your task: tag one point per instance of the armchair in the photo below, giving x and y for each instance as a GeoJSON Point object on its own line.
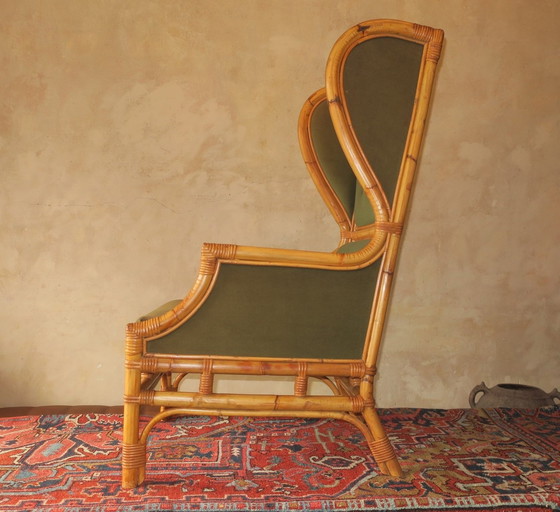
{"type": "Point", "coordinates": [304, 314]}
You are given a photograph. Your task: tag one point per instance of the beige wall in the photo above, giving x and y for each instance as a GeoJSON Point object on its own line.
{"type": "Point", "coordinates": [131, 131]}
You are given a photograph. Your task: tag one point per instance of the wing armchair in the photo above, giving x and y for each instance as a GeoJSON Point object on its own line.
{"type": "Point", "coordinates": [304, 314]}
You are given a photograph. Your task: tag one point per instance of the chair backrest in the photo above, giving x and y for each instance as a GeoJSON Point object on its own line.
{"type": "Point", "coordinates": [380, 81]}
{"type": "Point", "coordinates": [374, 81]}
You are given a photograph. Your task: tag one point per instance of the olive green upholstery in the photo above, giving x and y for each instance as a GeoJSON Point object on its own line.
{"type": "Point", "coordinates": [279, 312]}
{"type": "Point", "coordinates": [333, 162]}
{"type": "Point", "coordinates": [380, 78]}
{"type": "Point", "coordinates": [285, 312]}
{"type": "Point", "coordinates": [380, 100]}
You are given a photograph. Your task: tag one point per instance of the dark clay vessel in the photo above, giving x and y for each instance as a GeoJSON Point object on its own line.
{"type": "Point", "coordinates": [515, 396]}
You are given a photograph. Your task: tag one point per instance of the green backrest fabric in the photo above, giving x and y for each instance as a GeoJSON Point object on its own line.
{"type": "Point", "coordinates": [363, 212]}
{"type": "Point", "coordinates": [279, 312]}
{"type": "Point", "coordinates": [331, 158]}
{"type": "Point", "coordinates": [380, 79]}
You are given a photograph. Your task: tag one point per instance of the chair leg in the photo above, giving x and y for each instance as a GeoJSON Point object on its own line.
{"type": "Point", "coordinates": [133, 452]}
{"type": "Point", "coordinates": [381, 447]}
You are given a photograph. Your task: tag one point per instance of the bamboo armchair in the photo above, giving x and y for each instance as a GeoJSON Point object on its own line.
{"type": "Point", "coordinates": [305, 314]}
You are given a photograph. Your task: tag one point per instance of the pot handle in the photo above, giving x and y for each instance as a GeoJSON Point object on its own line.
{"type": "Point", "coordinates": [481, 388]}
{"type": "Point", "coordinates": [555, 394]}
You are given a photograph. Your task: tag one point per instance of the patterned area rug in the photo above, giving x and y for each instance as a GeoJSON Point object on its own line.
{"type": "Point", "coordinates": [453, 460]}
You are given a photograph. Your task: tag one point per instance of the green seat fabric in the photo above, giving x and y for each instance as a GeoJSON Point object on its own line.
{"type": "Point", "coordinates": [164, 308]}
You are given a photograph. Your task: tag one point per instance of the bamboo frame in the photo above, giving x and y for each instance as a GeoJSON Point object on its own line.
{"type": "Point", "coordinates": [350, 380]}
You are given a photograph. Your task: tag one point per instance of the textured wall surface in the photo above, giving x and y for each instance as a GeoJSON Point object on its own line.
{"type": "Point", "coordinates": [131, 131]}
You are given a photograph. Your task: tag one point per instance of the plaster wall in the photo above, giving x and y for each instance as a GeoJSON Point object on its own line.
{"type": "Point", "coordinates": [131, 131]}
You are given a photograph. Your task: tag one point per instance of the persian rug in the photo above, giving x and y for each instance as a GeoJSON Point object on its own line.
{"type": "Point", "coordinates": [506, 460]}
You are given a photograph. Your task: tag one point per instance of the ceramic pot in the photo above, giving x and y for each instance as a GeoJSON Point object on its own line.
{"type": "Point", "coordinates": [515, 396]}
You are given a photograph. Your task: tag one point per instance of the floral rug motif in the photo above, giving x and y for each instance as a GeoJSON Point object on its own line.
{"type": "Point", "coordinates": [460, 459]}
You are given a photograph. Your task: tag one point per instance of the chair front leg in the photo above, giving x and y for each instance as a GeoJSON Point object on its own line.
{"type": "Point", "coordinates": [133, 451]}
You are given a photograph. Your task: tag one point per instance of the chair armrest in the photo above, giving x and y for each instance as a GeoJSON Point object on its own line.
{"type": "Point", "coordinates": [213, 255]}
{"type": "Point", "coordinates": [376, 233]}
{"type": "Point", "coordinates": [274, 311]}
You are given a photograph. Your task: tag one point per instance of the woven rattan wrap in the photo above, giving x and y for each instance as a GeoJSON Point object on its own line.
{"type": "Point", "coordinates": [382, 450]}
{"type": "Point", "coordinates": [133, 455]}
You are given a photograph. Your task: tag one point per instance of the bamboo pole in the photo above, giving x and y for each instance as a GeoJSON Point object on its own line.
{"type": "Point", "coordinates": [133, 456]}
{"type": "Point", "coordinates": [267, 404]}
{"type": "Point", "coordinates": [251, 366]}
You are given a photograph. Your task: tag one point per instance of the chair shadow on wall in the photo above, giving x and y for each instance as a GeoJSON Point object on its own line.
{"type": "Point", "coordinates": [304, 314]}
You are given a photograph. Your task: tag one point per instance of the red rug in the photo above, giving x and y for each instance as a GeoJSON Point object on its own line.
{"type": "Point", "coordinates": [453, 460]}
